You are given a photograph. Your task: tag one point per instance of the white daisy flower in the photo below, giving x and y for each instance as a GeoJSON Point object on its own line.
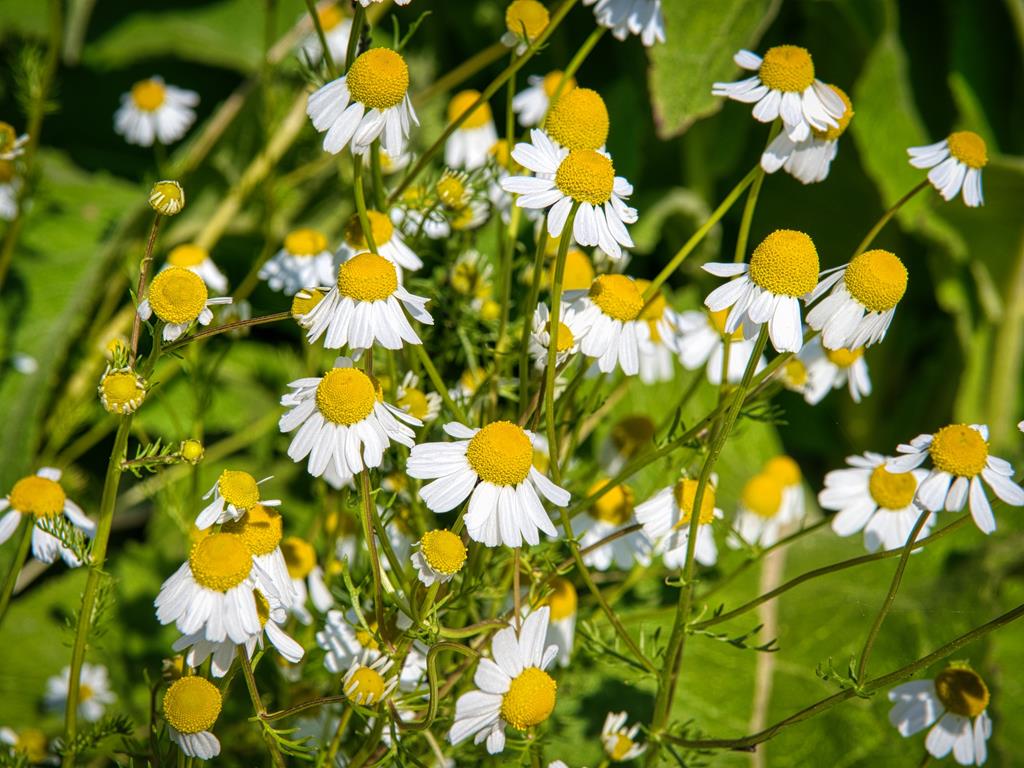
{"type": "Point", "coordinates": [470, 144]}
{"type": "Point", "coordinates": [513, 689]}
{"type": "Point", "coordinates": [11, 144]}
{"type": "Point", "coordinates": [388, 241]}
{"type": "Point", "coordinates": [40, 497]}
{"type": "Point", "coordinates": [342, 419]}
{"type": "Point", "coordinates": [785, 86]}
{"type": "Point", "coordinates": [307, 578]}
{"type": "Point", "coordinates": [336, 27]}
{"type": "Point", "coordinates": [153, 111]}
{"type": "Point", "coordinates": [493, 466]}
{"type": "Point", "coordinates": [439, 555]}
{"type": "Point", "coordinates": [369, 102]}
{"type": "Point", "coordinates": [179, 298]}
{"type": "Point", "coordinates": [261, 529]}
{"type": "Point", "coordinates": [631, 17]}
{"type": "Point", "coordinates": [343, 643]}
{"type": "Point", "coordinates": [782, 269]}
{"type": "Point", "coordinates": [365, 306]}
{"type": "Point", "coordinates": [191, 707]}
{"type": "Point", "coordinates": [829, 369]}
{"type": "Point", "coordinates": [425, 406]}
{"type": "Point", "coordinates": [562, 604]}
{"type": "Point", "coordinates": [531, 104]}
{"type": "Point", "coordinates": [197, 259]}
{"type": "Point", "coordinates": [607, 322]}
{"type": "Point", "coordinates": [700, 341]}
{"type": "Point", "coordinates": [234, 493]}
{"type": "Point", "coordinates": [956, 164]}
{"type": "Point", "coordinates": [772, 503]}
{"type": "Point", "coordinates": [869, 497]}
{"type": "Point", "coordinates": [609, 514]}
{"type": "Point", "coordinates": [9, 186]}
{"type": "Point", "coordinates": [525, 20]}
{"type": "Point", "coordinates": [620, 742]}
{"type": "Point", "coordinates": [30, 743]}
{"type": "Point", "coordinates": [94, 694]}
{"type": "Point", "coordinates": [540, 335]}
{"type": "Point", "coordinates": [365, 682]}
{"type": "Point", "coordinates": [658, 323]}
{"type": "Point", "coordinates": [304, 262]}
{"type": "Point", "coordinates": [956, 701]}
{"type": "Point", "coordinates": [665, 518]}
{"type": "Point", "coordinates": [808, 161]}
{"type": "Point", "coordinates": [960, 462]}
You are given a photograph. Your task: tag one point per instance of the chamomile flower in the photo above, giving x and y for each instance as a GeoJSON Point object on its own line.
{"type": "Point", "coordinates": [94, 694]}
{"type": "Point", "coordinates": [425, 406]}
{"type": "Point", "coordinates": [869, 497]}
{"type": "Point", "coordinates": [493, 466]}
{"type": "Point", "coordinates": [179, 298]}
{"type": "Point", "coordinates": [665, 518]}
{"type": "Point", "coordinates": [771, 503]}
{"type": "Point", "coordinates": [513, 688]}
{"type": "Point", "coordinates": [620, 742]}
{"type": "Point", "coordinates": [307, 578]}
{"type": "Point", "coordinates": [525, 20]}
{"type": "Point", "coordinates": [304, 262]}
{"type": "Point", "coordinates": [578, 120]}
{"type": "Point", "coordinates": [782, 269]}
{"type": "Point", "coordinates": [40, 497]}
{"type": "Point", "coordinates": [191, 707]}
{"type": "Point", "coordinates": [578, 274]}
{"type": "Point", "coordinates": [336, 27]}
{"type": "Point", "coordinates": [861, 301]}
{"type": "Point", "coordinates": [167, 197]}
{"type": "Point", "coordinates": [387, 239]}
{"type": "Point", "coordinates": [303, 303]}
{"type": "Point", "coordinates": [700, 341]}
{"type": "Point", "coordinates": [261, 529]}
{"type": "Point", "coordinates": [366, 684]}
{"type": "Point", "coordinates": [659, 323]}
{"type": "Point", "coordinates": [342, 642]}
{"type": "Point", "coordinates": [342, 420]}
{"type": "Point", "coordinates": [960, 461]}
{"type": "Point", "coordinates": [531, 104]}
{"type": "Point", "coordinates": [234, 493]}
{"type": "Point", "coordinates": [154, 111]}
{"type": "Point", "coordinates": [121, 390]}
{"type": "Point", "coordinates": [785, 86]}
{"type": "Point", "coordinates": [197, 259]}
{"type": "Point", "coordinates": [365, 306]}
{"type": "Point", "coordinates": [607, 323]}
{"type": "Point", "coordinates": [470, 144]}
{"type": "Point", "coordinates": [607, 515]}
{"type": "Point", "coordinates": [540, 335]}
{"type": "Point", "coordinates": [565, 177]}
{"type": "Point", "coordinates": [28, 742]}
{"type": "Point", "coordinates": [562, 627]}
{"type": "Point", "coordinates": [956, 164]}
{"type": "Point", "coordinates": [369, 102]}
{"type": "Point", "coordinates": [439, 555]}
{"type": "Point", "coordinates": [631, 17]}
{"type": "Point", "coordinates": [955, 704]}
{"type": "Point", "coordinates": [9, 186]}
{"type": "Point", "coordinates": [809, 160]}
{"type": "Point", "coordinates": [829, 369]}
{"type": "Point", "coordinates": [11, 144]}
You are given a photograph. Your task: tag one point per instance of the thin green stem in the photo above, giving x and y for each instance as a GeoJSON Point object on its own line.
{"type": "Point", "coordinates": [332, 70]}
{"type": "Point", "coordinates": [360, 197]}
{"type": "Point", "coordinates": [257, 704]}
{"type": "Point", "coordinates": [28, 523]}
{"type": "Point", "coordinates": [144, 267]}
{"type": "Point", "coordinates": [880, 224]}
{"type": "Point", "coordinates": [371, 544]}
{"type": "Point", "coordinates": [576, 62]}
{"type": "Point", "coordinates": [237, 325]}
{"type": "Point", "coordinates": [461, 73]}
{"type": "Point", "coordinates": [327, 758]}
{"type": "Point", "coordinates": [358, 21]}
{"type": "Point", "coordinates": [743, 236]}
{"type": "Point", "coordinates": [531, 302]}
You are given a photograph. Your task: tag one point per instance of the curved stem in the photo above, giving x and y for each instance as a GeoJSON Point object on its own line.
{"type": "Point", "coordinates": [332, 70]}
{"type": "Point", "coordinates": [743, 237]}
{"type": "Point", "coordinates": [238, 324]}
{"type": "Point", "coordinates": [575, 63]}
{"type": "Point", "coordinates": [461, 73]}
{"type": "Point", "coordinates": [20, 555]}
{"type": "Point", "coordinates": [873, 232]}
{"type": "Point", "coordinates": [147, 261]}
{"type": "Point", "coordinates": [257, 704]}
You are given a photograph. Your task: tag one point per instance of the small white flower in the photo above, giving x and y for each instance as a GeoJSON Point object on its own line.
{"type": "Point", "coordinates": [179, 298]}
{"type": "Point", "coordinates": [829, 369]}
{"type": "Point", "coordinates": [197, 259]}
{"type": "Point", "coordinates": [191, 707]}
{"type": "Point", "coordinates": [771, 504]}
{"type": "Point", "coordinates": [620, 742]}
{"type": "Point", "coordinates": [469, 146]}
{"type": "Point", "coordinates": [94, 694]}
{"type": "Point", "coordinates": [261, 528]}
{"type": "Point", "coordinates": [153, 111]}
{"type": "Point", "coordinates": [439, 555]}
{"type": "Point", "coordinates": [40, 497]}
{"type": "Point", "coordinates": [233, 494]}
{"type": "Point", "coordinates": [956, 164]}
{"type": "Point", "coordinates": [336, 27]}
{"type": "Point", "coordinates": [525, 20]}
{"type": "Point", "coordinates": [609, 514]}
{"type": "Point", "coordinates": [540, 335]}
{"type": "Point", "coordinates": [387, 239]}
{"type": "Point", "coordinates": [665, 518]}
{"type": "Point", "coordinates": [304, 262]}
{"type": "Point", "coordinates": [700, 341]}
{"type": "Point", "coordinates": [562, 604]}
{"type": "Point", "coordinates": [607, 322]}
{"type": "Point", "coordinates": [531, 104]}
{"type": "Point", "coordinates": [365, 682]}
{"type": "Point", "coordinates": [425, 406]}
{"type": "Point", "coordinates": [642, 18]}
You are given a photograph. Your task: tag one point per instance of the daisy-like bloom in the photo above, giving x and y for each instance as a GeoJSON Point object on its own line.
{"type": "Point", "coordinates": [631, 17]}
{"type": "Point", "coordinates": [700, 341]}
{"type": "Point", "coordinates": [771, 502]}
{"type": "Point", "coordinates": [304, 261]}
{"type": "Point", "coordinates": [212, 591]}
{"type": "Point", "coordinates": [191, 707]}
{"type": "Point", "coordinates": [94, 692]}
{"type": "Point", "coordinates": [365, 306]}
{"type": "Point", "coordinates": [540, 335]}
{"type": "Point", "coordinates": [493, 466]}
{"type": "Point", "coordinates": [610, 513]}
{"type": "Point", "coordinates": [261, 529]}
{"type": "Point", "coordinates": [30, 743]}
{"type": "Point", "coordinates": [41, 497]}
{"type": "Point", "coordinates": [514, 688]}
{"type": "Point", "coordinates": [470, 144]}
{"type": "Point", "coordinates": [365, 683]}
{"type": "Point", "coordinates": [167, 197]}
{"type": "Point", "coordinates": [531, 104]}
{"type": "Point", "coordinates": [179, 298]}
{"type": "Point", "coordinates": [439, 555]}
{"type": "Point", "coordinates": [607, 323]}
{"type": "Point", "coordinates": [659, 323]}
{"type": "Point", "coordinates": [665, 518]}
{"type": "Point", "coordinates": [619, 741]}
{"type": "Point", "coordinates": [829, 369]}
{"type": "Point", "coordinates": [567, 176]}
{"type": "Point", "coordinates": [955, 163]}
{"type": "Point", "coordinates": [121, 390]}
{"type": "Point", "coordinates": [9, 186]}
{"type": "Point", "coordinates": [303, 303]}
{"type": "Point", "coordinates": [342, 420]}
{"type": "Point", "coordinates": [782, 269]}
{"type": "Point", "coordinates": [578, 120]}
{"type": "Point", "coordinates": [387, 239]}
{"type": "Point", "coordinates": [424, 406]}
{"type": "Point", "coordinates": [861, 301]}
{"type": "Point", "coordinates": [154, 111]}
{"type": "Point", "coordinates": [336, 27]}
{"type": "Point", "coordinates": [525, 20]}
{"type": "Point", "coordinates": [342, 642]}
{"type": "Point", "coordinates": [785, 86]}
{"type": "Point", "coordinates": [562, 627]}
{"type": "Point", "coordinates": [234, 493]}
{"type": "Point", "coordinates": [197, 259]}
{"type": "Point", "coordinates": [11, 144]}
{"type": "Point", "coordinates": [808, 160]}
{"type": "Point", "coordinates": [960, 462]}
{"type": "Point", "coordinates": [956, 701]}
{"type": "Point", "coordinates": [369, 102]}
{"type": "Point", "coordinates": [307, 578]}
{"type": "Point", "coordinates": [869, 497]}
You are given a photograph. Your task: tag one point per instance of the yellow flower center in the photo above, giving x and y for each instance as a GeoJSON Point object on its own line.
{"type": "Point", "coordinates": [617, 296]}
{"type": "Point", "coordinates": [794, 372]}
{"type": "Point", "coordinates": [330, 16]}
{"type": "Point", "coordinates": [299, 556]}
{"type": "Point", "coordinates": [187, 255]}
{"type": "Point", "coordinates": [962, 691]}
{"type": "Point", "coordinates": [621, 747]}
{"type": "Point", "coordinates": [969, 148]}
{"type": "Point", "coordinates": [844, 358]}
{"type": "Point", "coordinates": [562, 599]}
{"type": "Point", "coordinates": [149, 95]}
{"type": "Point", "coordinates": [785, 263]}
{"type": "Point", "coordinates": [192, 450]}
{"type": "Point", "coordinates": [578, 120]}
{"type": "Point", "coordinates": [31, 742]}
{"type": "Point", "coordinates": [38, 496]}
{"type": "Point", "coordinates": [877, 279]}
{"type": "Point", "coordinates": [122, 391]}
{"type": "Point", "coordinates": [526, 15]}
{"type": "Point", "coordinates": [379, 79]}
{"type": "Point", "coordinates": [305, 301]}
{"type": "Point", "coordinates": [632, 433]}
{"type": "Point", "coordinates": [451, 189]}
{"type": "Point", "coordinates": [579, 272]}
{"type": "Point", "coordinates": [718, 318]}
{"type": "Point", "coordinates": [787, 68]}
{"type": "Point", "coordinates": [832, 134]}
{"type": "Point", "coordinates": [260, 529]}
{"type": "Point", "coordinates": [530, 699]}
{"type": "Point", "coordinates": [366, 683]}
{"type": "Point", "coordinates": [443, 551]}
{"type": "Point", "coordinates": [784, 469]}
{"type": "Point", "coordinates": [167, 197]}
{"type": "Point", "coordinates": [551, 81]}
{"type": "Point", "coordinates": [615, 507]}
{"type": "Point", "coordinates": [85, 693]}
{"type": "Point", "coordinates": [380, 227]}
{"type": "Point", "coordinates": [462, 101]}
{"type": "Point", "coordinates": [305, 242]}
{"type": "Point", "coordinates": [346, 396]}
{"type": "Point", "coordinates": [177, 295]}
{"type": "Point", "coordinates": [959, 450]}
{"type": "Point", "coordinates": [564, 338]}
{"type": "Point", "coordinates": [220, 561]}
{"type": "Point", "coordinates": [891, 490]}
{"type": "Point", "coordinates": [501, 453]}
{"type": "Point", "coordinates": [192, 704]}
{"type": "Point", "coordinates": [238, 488]}
{"type": "Point", "coordinates": [415, 402]}
{"type": "Point", "coordinates": [686, 493]}
{"type": "Point", "coordinates": [762, 495]}
{"type": "Point", "coordinates": [367, 277]}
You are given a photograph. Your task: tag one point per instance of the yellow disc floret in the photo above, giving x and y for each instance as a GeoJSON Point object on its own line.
{"type": "Point", "coordinates": [844, 358]}
{"type": "Point", "coordinates": [462, 101]}
{"type": "Point", "coordinates": [122, 390]}
{"type": "Point", "coordinates": [877, 279]}
{"type": "Point", "coordinates": [178, 295]}
{"type": "Point", "coordinates": [617, 296]}
{"type": "Point", "coordinates": [305, 242]}
{"type": "Point", "coordinates": [959, 450]}
{"type": "Point", "coordinates": [962, 691]}
{"type": "Point", "coordinates": [623, 744]}
{"type": "Point", "coordinates": [784, 468]}
{"type": "Point", "coordinates": [686, 493]}
{"type": "Point", "coordinates": [615, 507]}
{"type": "Point", "coordinates": [260, 529]}
{"type": "Point", "coordinates": [380, 227]}
{"type": "Point", "coordinates": [192, 705]}
{"type": "Point", "coordinates": [794, 372]}
{"type": "Point", "coordinates": [551, 81]}
{"type": "Point", "coordinates": [562, 599]}
{"type": "Point", "coordinates": [443, 551]}
{"type": "Point", "coordinates": [785, 263]}
{"type": "Point", "coordinates": [220, 561]}
{"type": "Point", "coordinates": [501, 453]}
{"type": "Point", "coordinates": [191, 450]}
{"type": "Point", "coordinates": [563, 339]}
{"type": "Point", "coordinates": [787, 68]}
{"type": "Point", "coordinates": [38, 496]}
{"type": "Point", "coordinates": [167, 197]}
{"type": "Point", "coordinates": [367, 277]}
{"type": "Point", "coordinates": [149, 95]}
{"type": "Point", "coordinates": [366, 685]}
{"type": "Point", "coordinates": [451, 189]}
{"type": "Point", "coordinates": [578, 120]}
{"type": "Point", "coordinates": [892, 490]}
{"type": "Point", "coordinates": [833, 133]}
{"type": "Point", "coordinates": [238, 488]}
{"type": "Point", "coordinates": [305, 301]}
{"type": "Point", "coordinates": [530, 699]}
{"type": "Point", "coordinates": [32, 743]}
{"type": "Point", "coordinates": [378, 79]}
{"type": "Point", "coordinates": [330, 16]}
{"type": "Point", "coordinates": [299, 556]}
{"type": "Point", "coordinates": [345, 396]}
{"type": "Point", "coordinates": [527, 17]}
{"type": "Point", "coordinates": [969, 148]}
{"type": "Point", "coordinates": [579, 272]}
{"type": "Point", "coordinates": [415, 403]}
{"type": "Point", "coordinates": [762, 495]}
{"type": "Point", "coordinates": [187, 255]}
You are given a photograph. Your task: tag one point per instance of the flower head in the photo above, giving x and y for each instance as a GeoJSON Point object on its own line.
{"type": "Point", "coordinates": [155, 112]}
{"type": "Point", "coordinates": [191, 706]}
{"type": "Point", "coordinates": [955, 164]}
{"type": "Point", "coordinates": [40, 498]}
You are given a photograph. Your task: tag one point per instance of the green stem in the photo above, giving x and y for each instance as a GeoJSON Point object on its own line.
{"type": "Point", "coordinates": [371, 544]}
{"type": "Point", "coordinates": [332, 70]}
{"type": "Point", "coordinates": [147, 262]}
{"type": "Point", "coordinates": [339, 732]}
{"type": "Point", "coordinates": [21, 554]}
{"type": "Point", "coordinates": [531, 302]}
{"type": "Point", "coordinates": [873, 232]}
{"type": "Point", "coordinates": [377, 176]}
{"type": "Point", "coordinates": [748, 209]}
{"type": "Point", "coordinates": [461, 73]}
{"type": "Point", "coordinates": [262, 320]}
{"type": "Point", "coordinates": [360, 196]}
{"type": "Point", "coordinates": [257, 704]}
{"type": "Point", "coordinates": [576, 62]}
{"type": "Point", "coordinates": [358, 20]}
